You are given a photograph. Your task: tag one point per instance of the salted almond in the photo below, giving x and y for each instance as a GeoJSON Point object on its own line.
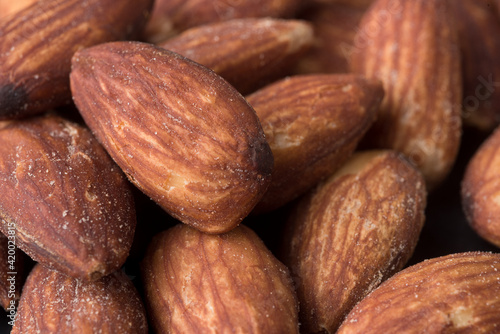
{"type": "Point", "coordinates": [181, 133]}
{"type": "Point", "coordinates": [481, 190]}
{"type": "Point", "coordinates": [55, 303]}
{"type": "Point", "coordinates": [228, 283]}
{"type": "Point", "coordinates": [37, 43]}
{"type": "Point", "coordinates": [351, 233]}
{"type": "Point", "coordinates": [170, 17]}
{"type": "Point", "coordinates": [312, 123]}
{"type": "Point", "coordinates": [458, 293]}
{"type": "Point", "coordinates": [479, 26]}
{"type": "Point", "coordinates": [246, 52]}
{"type": "Point", "coordinates": [69, 204]}
{"type": "Point", "coordinates": [412, 47]}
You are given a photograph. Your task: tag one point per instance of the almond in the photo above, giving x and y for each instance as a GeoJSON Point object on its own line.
{"type": "Point", "coordinates": [246, 52]}
{"type": "Point", "coordinates": [181, 133]}
{"type": "Point", "coordinates": [67, 203]}
{"type": "Point", "coordinates": [170, 17]}
{"type": "Point", "coordinates": [55, 303]}
{"type": "Point", "coordinates": [228, 283]}
{"type": "Point", "coordinates": [312, 124]}
{"type": "Point", "coordinates": [479, 26]}
{"type": "Point", "coordinates": [458, 293]}
{"type": "Point", "coordinates": [351, 233]}
{"type": "Point", "coordinates": [412, 47]}
{"type": "Point", "coordinates": [37, 43]}
{"type": "Point", "coordinates": [481, 190]}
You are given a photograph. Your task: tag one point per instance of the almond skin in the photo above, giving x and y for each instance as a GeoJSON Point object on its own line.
{"type": "Point", "coordinates": [170, 17]}
{"type": "Point", "coordinates": [479, 26]}
{"type": "Point", "coordinates": [228, 283]}
{"type": "Point", "coordinates": [54, 198]}
{"type": "Point", "coordinates": [412, 47]}
{"type": "Point", "coordinates": [481, 190]}
{"type": "Point", "coordinates": [458, 293]}
{"type": "Point", "coordinates": [312, 124]}
{"type": "Point", "coordinates": [351, 233]}
{"type": "Point", "coordinates": [181, 133]}
{"type": "Point", "coordinates": [55, 303]}
{"type": "Point", "coordinates": [245, 52]}
{"type": "Point", "coordinates": [37, 43]}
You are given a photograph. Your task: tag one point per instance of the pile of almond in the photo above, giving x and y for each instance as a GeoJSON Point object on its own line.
{"type": "Point", "coordinates": [259, 166]}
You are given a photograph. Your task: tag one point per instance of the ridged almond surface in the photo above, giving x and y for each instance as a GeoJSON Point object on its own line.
{"type": "Point", "coordinates": [246, 52]}
{"type": "Point", "coordinates": [170, 17]}
{"type": "Point", "coordinates": [351, 233]}
{"type": "Point", "coordinates": [180, 132]}
{"type": "Point", "coordinates": [312, 124]}
{"type": "Point", "coordinates": [458, 293]}
{"type": "Point", "coordinates": [412, 47]}
{"type": "Point", "coordinates": [481, 190]}
{"type": "Point", "coordinates": [37, 43]}
{"type": "Point", "coordinates": [228, 283]}
{"type": "Point", "coordinates": [479, 27]}
{"type": "Point", "coordinates": [69, 204]}
{"type": "Point", "coordinates": [55, 303]}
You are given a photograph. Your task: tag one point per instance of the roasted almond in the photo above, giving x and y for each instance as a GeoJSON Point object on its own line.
{"type": "Point", "coordinates": [412, 47]}
{"type": "Point", "coordinates": [228, 283]}
{"type": "Point", "coordinates": [181, 133]}
{"type": "Point", "coordinates": [37, 43]}
{"type": "Point", "coordinates": [458, 293]}
{"type": "Point", "coordinates": [351, 233]}
{"type": "Point", "coordinates": [479, 26]}
{"type": "Point", "coordinates": [67, 203]}
{"type": "Point", "coordinates": [481, 190]}
{"type": "Point", "coordinates": [170, 17]}
{"type": "Point", "coordinates": [55, 303]}
{"type": "Point", "coordinates": [312, 124]}
{"type": "Point", "coordinates": [246, 52]}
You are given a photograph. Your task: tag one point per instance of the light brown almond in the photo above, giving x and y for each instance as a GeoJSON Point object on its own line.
{"type": "Point", "coordinates": [351, 233]}
{"type": "Point", "coordinates": [67, 203]}
{"type": "Point", "coordinates": [246, 52]}
{"type": "Point", "coordinates": [312, 124]}
{"type": "Point", "coordinates": [458, 293]}
{"type": "Point", "coordinates": [229, 283]}
{"type": "Point", "coordinates": [181, 133]}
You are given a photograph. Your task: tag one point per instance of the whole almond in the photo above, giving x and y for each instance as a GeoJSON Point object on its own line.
{"type": "Point", "coordinates": [458, 293]}
{"type": "Point", "coordinates": [479, 26]}
{"type": "Point", "coordinates": [170, 17]}
{"type": "Point", "coordinates": [246, 52]}
{"type": "Point", "coordinates": [228, 283]}
{"type": "Point", "coordinates": [37, 43]}
{"type": "Point", "coordinates": [312, 124]}
{"type": "Point", "coordinates": [68, 204]}
{"type": "Point", "coordinates": [412, 47]}
{"type": "Point", "coordinates": [181, 133]}
{"type": "Point", "coordinates": [351, 233]}
{"type": "Point", "coordinates": [55, 303]}
{"type": "Point", "coordinates": [481, 190]}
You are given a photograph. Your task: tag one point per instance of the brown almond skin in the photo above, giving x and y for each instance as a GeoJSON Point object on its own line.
{"type": "Point", "coordinates": [335, 26]}
{"type": "Point", "coordinates": [479, 26]}
{"type": "Point", "coordinates": [228, 283]}
{"type": "Point", "coordinates": [37, 43]}
{"type": "Point", "coordinates": [412, 47]}
{"type": "Point", "coordinates": [55, 303]}
{"type": "Point", "coordinates": [458, 293]}
{"type": "Point", "coordinates": [181, 133]}
{"type": "Point", "coordinates": [481, 190]}
{"type": "Point", "coordinates": [246, 52]}
{"type": "Point", "coordinates": [170, 17]}
{"type": "Point", "coordinates": [351, 233]}
{"type": "Point", "coordinates": [312, 123]}
{"type": "Point", "coordinates": [361, 4]}
{"type": "Point", "coordinates": [70, 205]}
